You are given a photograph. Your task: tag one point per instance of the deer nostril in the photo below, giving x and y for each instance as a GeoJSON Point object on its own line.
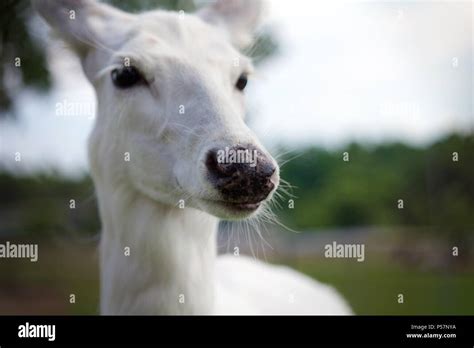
{"type": "Point", "coordinates": [219, 169]}
{"type": "Point", "coordinates": [211, 160]}
{"type": "Point", "coordinates": [212, 164]}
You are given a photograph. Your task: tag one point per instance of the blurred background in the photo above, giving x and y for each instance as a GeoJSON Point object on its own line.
{"type": "Point", "coordinates": [364, 103]}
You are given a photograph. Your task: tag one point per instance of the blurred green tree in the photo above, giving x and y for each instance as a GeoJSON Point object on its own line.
{"type": "Point", "coordinates": [437, 188]}
{"type": "Point", "coordinates": [17, 41]}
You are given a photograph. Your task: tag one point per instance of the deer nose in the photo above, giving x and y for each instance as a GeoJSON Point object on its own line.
{"type": "Point", "coordinates": [242, 174]}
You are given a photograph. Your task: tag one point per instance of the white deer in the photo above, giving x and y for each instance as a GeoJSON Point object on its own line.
{"type": "Point", "coordinates": [170, 96]}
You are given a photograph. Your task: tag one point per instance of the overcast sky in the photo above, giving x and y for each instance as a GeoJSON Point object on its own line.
{"type": "Point", "coordinates": [368, 71]}
{"type": "Point", "coordinates": [364, 71]}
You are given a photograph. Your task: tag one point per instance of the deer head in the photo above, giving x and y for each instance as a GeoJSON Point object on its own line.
{"type": "Point", "coordinates": [171, 102]}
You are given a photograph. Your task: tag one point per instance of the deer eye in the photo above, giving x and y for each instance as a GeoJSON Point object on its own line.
{"type": "Point", "coordinates": [126, 77]}
{"type": "Point", "coordinates": [241, 82]}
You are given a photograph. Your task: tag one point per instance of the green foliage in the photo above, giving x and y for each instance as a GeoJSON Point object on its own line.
{"type": "Point", "coordinates": [40, 206]}
{"type": "Point", "coordinates": [437, 192]}
{"type": "Point", "coordinates": [144, 5]}
{"type": "Point", "coordinates": [17, 41]}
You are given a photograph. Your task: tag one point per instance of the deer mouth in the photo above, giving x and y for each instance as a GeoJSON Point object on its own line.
{"type": "Point", "coordinates": [243, 206]}
{"type": "Point", "coordinates": [232, 209]}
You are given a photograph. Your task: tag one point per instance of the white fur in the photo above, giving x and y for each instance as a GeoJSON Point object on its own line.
{"type": "Point", "coordinates": [189, 61]}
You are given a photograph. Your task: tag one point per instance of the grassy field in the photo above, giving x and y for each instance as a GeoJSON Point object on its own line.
{"type": "Point", "coordinates": [45, 286]}
{"type": "Point", "coordinates": [371, 287]}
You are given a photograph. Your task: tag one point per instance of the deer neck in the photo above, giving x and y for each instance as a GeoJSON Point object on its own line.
{"type": "Point", "coordinates": [155, 259]}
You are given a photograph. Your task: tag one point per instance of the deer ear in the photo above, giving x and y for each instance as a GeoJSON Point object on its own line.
{"type": "Point", "coordinates": [84, 24]}
{"type": "Point", "coordinates": [240, 18]}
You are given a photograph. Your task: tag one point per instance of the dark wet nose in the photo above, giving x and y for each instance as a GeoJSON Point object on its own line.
{"type": "Point", "coordinates": [241, 173]}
